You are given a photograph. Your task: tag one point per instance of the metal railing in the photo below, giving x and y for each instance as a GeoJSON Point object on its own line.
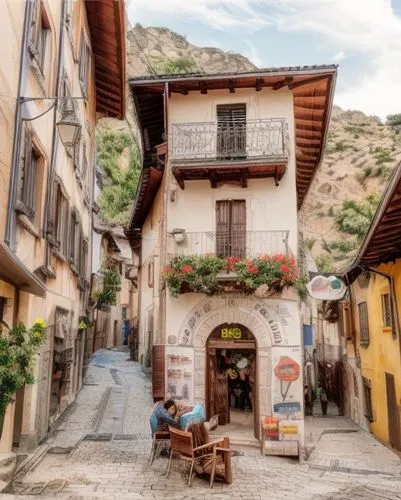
{"type": "Point", "coordinates": [212, 141]}
{"type": "Point", "coordinates": [247, 245]}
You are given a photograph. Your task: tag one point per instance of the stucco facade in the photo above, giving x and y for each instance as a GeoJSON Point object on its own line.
{"type": "Point", "coordinates": [47, 74]}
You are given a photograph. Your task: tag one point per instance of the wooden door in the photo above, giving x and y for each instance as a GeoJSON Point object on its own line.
{"type": "Point", "coordinates": [211, 369]}
{"type": "Point", "coordinates": [217, 390]}
{"type": "Point", "coordinates": [393, 413]}
{"type": "Point", "coordinates": [231, 228]}
{"type": "Point", "coordinates": [158, 372]}
{"type": "Point", "coordinates": [221, 398]}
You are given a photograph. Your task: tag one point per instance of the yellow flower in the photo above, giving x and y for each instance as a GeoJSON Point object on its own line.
{"type": "Point", "coordinates": [40, 322]}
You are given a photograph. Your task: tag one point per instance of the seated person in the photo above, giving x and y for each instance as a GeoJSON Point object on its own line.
{"type": "Point", "coordinates": [163, 416]}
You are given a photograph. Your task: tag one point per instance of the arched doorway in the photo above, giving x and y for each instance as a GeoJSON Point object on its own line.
{"type": "Point", "coordinates": [231, 373]}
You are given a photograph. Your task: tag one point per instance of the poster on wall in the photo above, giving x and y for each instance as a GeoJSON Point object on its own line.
{"type": "Point", "coordinates": [287, 384]}
{"type": "Point", "coordinates": [180, 374]}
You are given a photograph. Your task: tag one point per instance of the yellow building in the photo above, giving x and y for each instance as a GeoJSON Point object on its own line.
{"type": "Point", "coordinates": [63, 67]}
{"type": "Point", "coordinates": [373, 347]}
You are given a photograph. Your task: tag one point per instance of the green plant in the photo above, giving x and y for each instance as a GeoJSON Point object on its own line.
{"type": "Point", "coordinates": [382, 155]}
{"type": "Point", "coordinates": [111, 284]}
{"type": "Point", "coordinates": [119, 185]}
{"type": "Point", "coordinates": [18, 347]}
{"type": "Point", "coordinates": [177, 65]}
{"type": "Point", "coordinates": [394, 121]}
{"type": "Point", "coordinates": [310, 243]}
{"type": "Point", "coordinates": [84, 323]}
{"type": "Point", "coordinates": [300, 286]}
{"type": "Point", "coordinates": [340, 146]}
{"type": "Point", "coordinates": [324, 263]}
{"type": "Point", "coordinates": [343, 246]}
{"type": "Point", "coordinates": [199, 273]}
{"type": "Point", "coordinates": [355, 217]}
{"type": "Point", "coordinates": [367, 171]}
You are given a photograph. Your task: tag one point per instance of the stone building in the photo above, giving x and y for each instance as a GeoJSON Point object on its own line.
{"type": "Point", "coordinates": [228, 160]}
{"type": "Point", "coordinates": [62, 67]}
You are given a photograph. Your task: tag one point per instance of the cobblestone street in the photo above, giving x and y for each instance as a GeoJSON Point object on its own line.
{"type": "Point", "coordinates": [101, 447]}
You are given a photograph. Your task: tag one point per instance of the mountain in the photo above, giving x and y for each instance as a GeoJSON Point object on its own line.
{"type": "Point", "coordinates": [360, 154]}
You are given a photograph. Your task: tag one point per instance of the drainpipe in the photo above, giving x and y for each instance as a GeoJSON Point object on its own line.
{"type": "Point", "coordinates": [9, 237]}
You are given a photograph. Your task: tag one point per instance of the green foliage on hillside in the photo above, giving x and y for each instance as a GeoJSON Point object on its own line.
{"type": "Point", "coordinates": [119, 185]}
{"type": "Point", "coordinates": [394, 121]}
{"type": "Point", "coordinates": [324, 263]}
{"type": "Point", "coordinates": [355, 217]}
{"type": "Point", "coordinates": [178, 65]}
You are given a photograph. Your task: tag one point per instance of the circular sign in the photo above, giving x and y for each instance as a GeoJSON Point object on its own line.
{"type": "Point", "coordinates": [287, 370]}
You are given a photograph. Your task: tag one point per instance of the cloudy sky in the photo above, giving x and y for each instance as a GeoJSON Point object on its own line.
{"type": "Point", "coordinates": [362, 36]}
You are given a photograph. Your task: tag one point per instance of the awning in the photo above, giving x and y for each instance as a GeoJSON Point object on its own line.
{"type": "Point", "coordinates": [16, 273]}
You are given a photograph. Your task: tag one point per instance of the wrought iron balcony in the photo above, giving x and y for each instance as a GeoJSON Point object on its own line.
{"type": "Point", "coordinates": [264, 138]}
{"type": "Point", "coordinates": [247, 244]}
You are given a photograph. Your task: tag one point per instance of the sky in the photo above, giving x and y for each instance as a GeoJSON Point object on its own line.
{"type": "Point", "coordinates": [362, 36]}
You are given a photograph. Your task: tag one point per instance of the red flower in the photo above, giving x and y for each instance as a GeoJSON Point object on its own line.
{"type": "Point", "coordinates": [231, 261]}
{"type": "Point", "coordinates": [284, 268]}
{"type": "Point", "coordinates": [265, 258]}
{"type": "Point", "coordinates": [186, 269]}
{"type": "Point", "coordinates": [252, 269]}
{"type": "Point", "coordinates": [168, 270]}
{"type": "Point", "coordinates": [291, 261]}
{"type": "Point", "coordinates": [279, 257]}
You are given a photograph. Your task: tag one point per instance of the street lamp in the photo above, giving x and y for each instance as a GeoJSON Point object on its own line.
{"type": "Point", "coordinates": [69, 129]}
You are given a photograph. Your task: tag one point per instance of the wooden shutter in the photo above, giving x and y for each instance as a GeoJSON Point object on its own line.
{"type": "Point", "coordinates": [231, 130]}
{"type": "Point", "coordinates": [231, 228]}
{"type": "Point", "coordinates": [158, 372]}
{"type": "Point", "coordinates": [238, 228]}
{"type": "Point", "coordinates": [223, 228]}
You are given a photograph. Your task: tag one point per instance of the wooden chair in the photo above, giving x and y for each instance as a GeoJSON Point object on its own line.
{"type": "Point", "coordinates": [160, 441]}
{"type": "Point", "coordinates": [183, 446]}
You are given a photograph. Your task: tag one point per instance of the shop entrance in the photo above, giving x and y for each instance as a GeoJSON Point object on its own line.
{"type": "Point", "coordinates": [231, 378]}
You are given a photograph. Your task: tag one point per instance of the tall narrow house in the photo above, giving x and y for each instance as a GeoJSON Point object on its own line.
{"type": "Point", "coordinates": [63, 66]}
{"type": "Point", "coordinates": [228, 160]}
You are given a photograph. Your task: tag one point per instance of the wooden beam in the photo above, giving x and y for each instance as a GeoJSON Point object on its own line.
{"type": "Point", "coordinates": [179, 178]}
{"type": "Point", "coordinates": [311, 95]}
{"type": "Point", "coordinates": [312, 128]}
{"type": "Point", "coordinates": [231, 86]}
{"type": "Point", "coordinates": [283, 83]}
{"type": "Point", "coordinates": [244, 179]}
{"type": "Point", "coordinates": [203, 88]}
{"type": "Point", "coordinates": [305, 106]}
{"type": "Point", "coordinates": [301, 83]}
{"type": "Point", "coordinates": [212, 178]}
{"type": "Point", "coordinates": [308, 117]}
{"type": "Point", "coordinates": [259, 84]}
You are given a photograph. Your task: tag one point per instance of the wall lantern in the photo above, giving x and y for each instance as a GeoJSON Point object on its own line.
{"type": "Point", "coordinates": [179, 235]}
{"type": "Point", "coordinates": [69, 129]}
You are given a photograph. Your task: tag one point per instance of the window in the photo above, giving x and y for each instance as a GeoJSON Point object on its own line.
{"type": "Point", "coordinates": [40, 28]}
{"type": "Point", "coordinates": [31, 177]}
{"type": "Point", "coordinates": [74, 241]}
{"type": "Point", "coordinates": [363, 323]}
{"type": "Point", "coordinates": [386, 309]}
{"type": "Point", "coordinates": [84, 163]}
{"type": "Point", "coordinates": [231, 131]}
{"type": "Point", "coordinates": [231, 228]}
{"type": "Point", "coordinates": [84, 66]}
{"type": "Point", "coordinates": [61, 219]}
{"type": "Point", "coordinates": [367, 389]}
{"type": "Point", "coordinates": [344, 320]}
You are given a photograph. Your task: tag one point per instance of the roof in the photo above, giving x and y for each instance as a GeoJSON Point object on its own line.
{"type": "Point", "coordinates": [15, 272]}
{"type": "Point", "coordinates": [313, 90]}
{"type": "Point", "coordinates": [107, 25]}
{"type": "Point", "coordinates": [382, 242]}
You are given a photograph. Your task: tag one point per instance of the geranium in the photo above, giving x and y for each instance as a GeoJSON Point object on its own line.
{"type": "Point", "coordinates": [284, 268]}
{"type": "Point", "coordinates": [252, 269]}
{"type": "Point", "coordinates": [168, 270]}
{"type": "Point", "coordinates": [231, 261]}
{"type": "Point", "coordinates": [186, 269]}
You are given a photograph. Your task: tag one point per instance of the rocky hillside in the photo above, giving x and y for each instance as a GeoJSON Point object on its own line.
{"type": "Point", "coordinates": [361, 151]}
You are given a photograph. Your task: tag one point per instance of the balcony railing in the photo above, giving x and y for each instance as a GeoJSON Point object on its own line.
{"type": "Point", "coordinates": [247, 245]}
{"type": "Point", "coordinates": [242, 141]}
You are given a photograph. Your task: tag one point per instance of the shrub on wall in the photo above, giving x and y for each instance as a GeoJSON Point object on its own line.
{"type": "Point", "coordinates": [18, 347]}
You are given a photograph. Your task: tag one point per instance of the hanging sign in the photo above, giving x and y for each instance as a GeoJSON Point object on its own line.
{"type": "Point", "coordinates": [322, 288]}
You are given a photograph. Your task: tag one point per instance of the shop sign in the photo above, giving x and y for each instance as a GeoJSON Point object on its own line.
{"type": "Point", "coordinates": [231, 333]}
{"type": "Point", "coordinates": [287, 408]}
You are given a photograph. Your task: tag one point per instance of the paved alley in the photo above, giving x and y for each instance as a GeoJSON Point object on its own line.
{"type": "Point", "coordinates": [100, 450]}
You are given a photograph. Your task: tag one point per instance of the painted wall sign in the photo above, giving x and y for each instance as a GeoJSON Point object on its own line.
{"type": "Point", "coordinates": [287, 408]}
{"type": "Point", "coordinates": [287, 390]}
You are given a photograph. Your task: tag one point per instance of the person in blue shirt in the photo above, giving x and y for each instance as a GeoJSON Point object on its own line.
{"type": "Point", "coordinates": [163, 416]}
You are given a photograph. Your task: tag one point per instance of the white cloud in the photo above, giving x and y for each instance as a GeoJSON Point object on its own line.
{"type": "Point", "coordinates": [253, 55]}
{"type": "Point", "coordinates": [368, 29]}
{"type": "Point", "coordinates": [339, 56]}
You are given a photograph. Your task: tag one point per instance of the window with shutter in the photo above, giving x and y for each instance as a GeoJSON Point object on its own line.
{"type": "Point", "coordinates": [386, 309]}
{"type": "Point", "coordinates": [363, 323]}
{"type": "Point", "coordinates": [39, 36]}
{"type": "Point", "coordinates": [84, 65]}
{"type": "Point", "coordinates": [158, 372]}
{"type": "Point", "coordinates": [367, 389]}
{"type": "Point", "coordinates": [231, 228]}
{"type": "Point", "coordinates": [231, 131]}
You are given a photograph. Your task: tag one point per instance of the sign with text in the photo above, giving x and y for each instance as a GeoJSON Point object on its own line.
{"type": "Point", "coordinates": [231, 333]}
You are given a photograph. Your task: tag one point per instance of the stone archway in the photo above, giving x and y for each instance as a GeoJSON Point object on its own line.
{"type": "Point", "coordinates": [260, 318]}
